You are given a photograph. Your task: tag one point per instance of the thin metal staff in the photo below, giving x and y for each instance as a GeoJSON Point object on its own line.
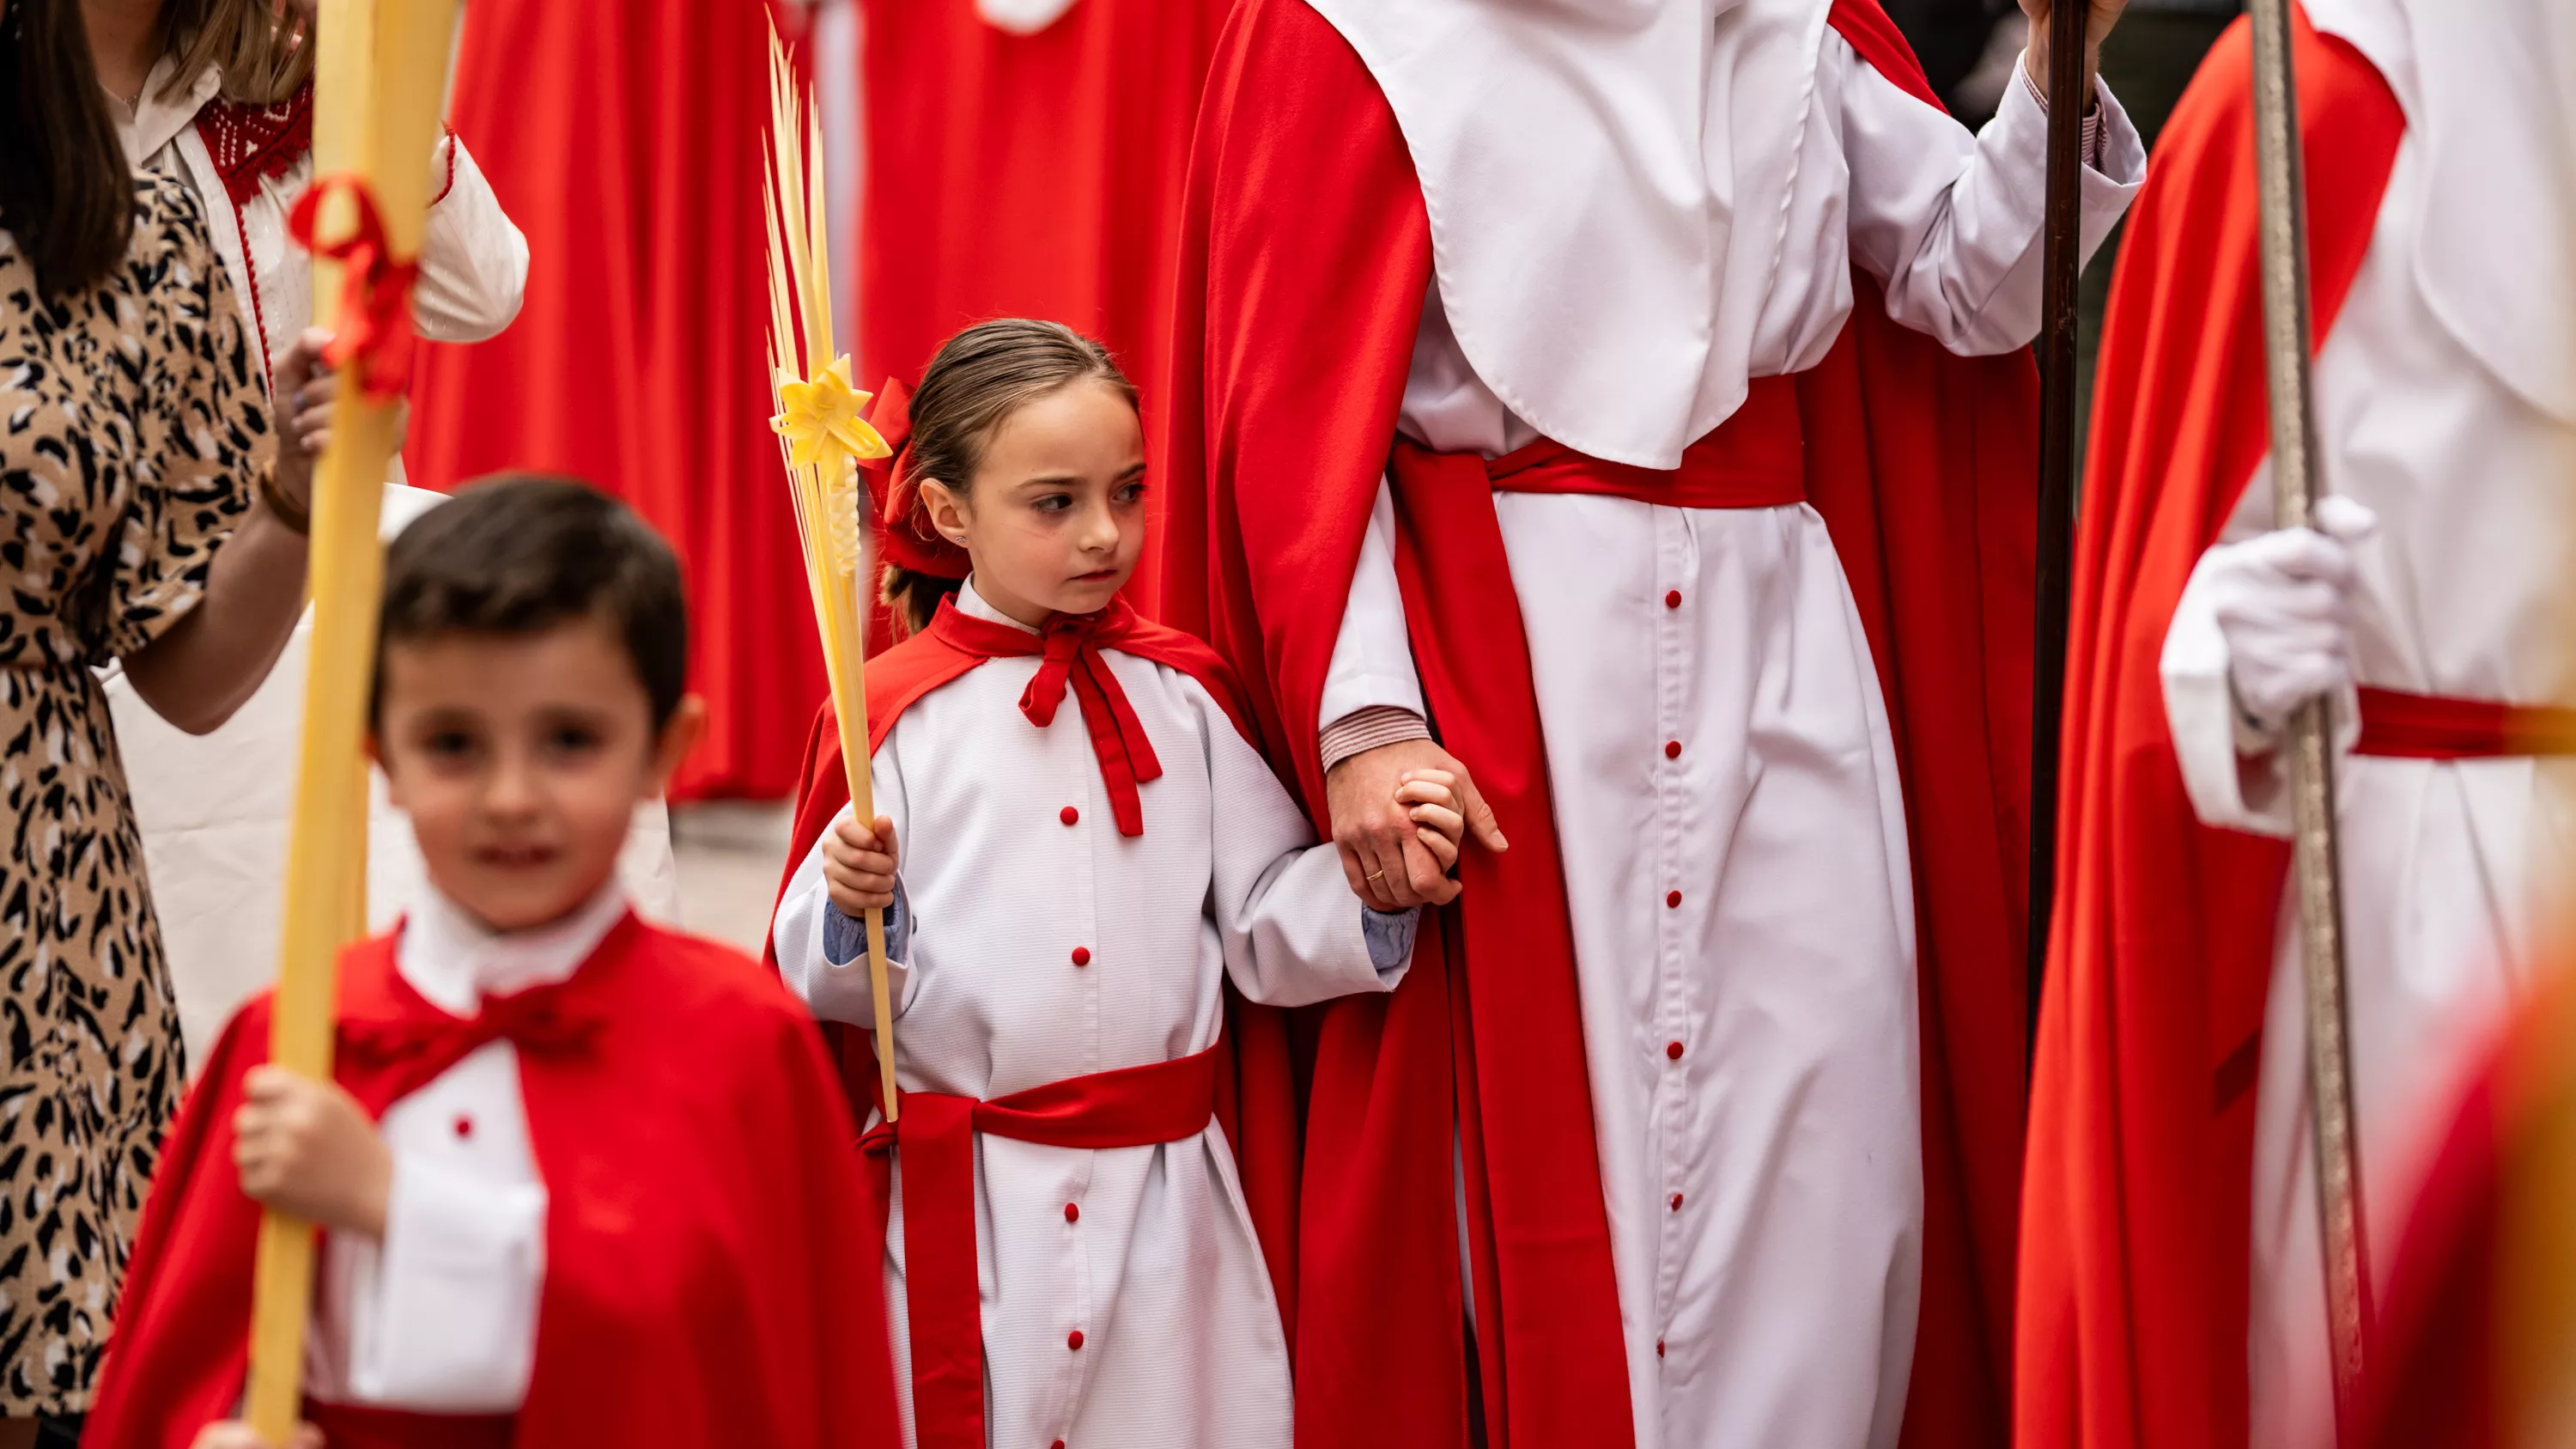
{"type": "Point", "coordinates": [2061, 263]}
{"type": "Point", "coordinates": [2283, 254]}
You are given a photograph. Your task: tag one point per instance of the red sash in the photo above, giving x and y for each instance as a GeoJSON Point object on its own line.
{"type": "Point", "coordinates": [1755, 459]}
{"type": "Point", "coordinates": [1130, 1107]}
{"type": "Point", "coordinates": [352, 1426]}
{"type": "Point", "coordinates": [2432, 727]}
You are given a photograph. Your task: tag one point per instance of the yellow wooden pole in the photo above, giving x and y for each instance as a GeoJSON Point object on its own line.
{"type": "Point", "coordinates": [819, 419]}
{"type": "Point", "coordinates": [380, 75]}
{"type": "Point", "coordinates": [343, 44]}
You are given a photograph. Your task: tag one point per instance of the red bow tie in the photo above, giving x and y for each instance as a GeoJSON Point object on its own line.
{"type": "Point", "coordinates": [407, 1052]}
{"type": "Point", "coordinates": [1070, 648]}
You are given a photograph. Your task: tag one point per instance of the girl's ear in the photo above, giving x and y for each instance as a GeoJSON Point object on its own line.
{"type": "Point", "coordinates": [946, 510]}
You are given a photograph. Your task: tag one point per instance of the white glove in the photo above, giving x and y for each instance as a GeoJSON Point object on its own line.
{"type": "Point", "coordinates": [2284, 602]}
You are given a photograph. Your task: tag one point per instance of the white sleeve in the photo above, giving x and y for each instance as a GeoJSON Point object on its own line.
{"type": "Point", "coordinates": [448, 1318]}
{"type": "Point", "coordinates": [473, 261]}
{"type": "Point", "coordinates": [1952, 222]}
{"type": "Point", "coordinates": [1291, 929]}
{"type": "Point", "coordinates": [1373, 655]}
{"type": "Point", "coordinates": [840, 991]}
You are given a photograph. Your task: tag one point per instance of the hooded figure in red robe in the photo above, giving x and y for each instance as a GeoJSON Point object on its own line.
{"type": "Point", "coordinates": [2172, 1292]}
{"type": "Point", "coordinates": [1631, 396]}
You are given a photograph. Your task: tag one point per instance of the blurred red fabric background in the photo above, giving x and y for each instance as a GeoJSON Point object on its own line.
{"type": "Point", "coordinates": [1004, 174]}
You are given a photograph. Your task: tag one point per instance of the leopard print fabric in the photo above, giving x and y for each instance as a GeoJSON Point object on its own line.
{"type": "Point", "coordinates": [133, 433]}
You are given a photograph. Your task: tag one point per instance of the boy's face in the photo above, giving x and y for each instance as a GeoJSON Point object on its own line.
{"type": "Point", "coordinates": [520, 759]}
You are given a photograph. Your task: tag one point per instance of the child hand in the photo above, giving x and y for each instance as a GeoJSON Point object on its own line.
{"type": "Point", "coordinates": [233, 1434]}
{"type": "Point", "coordinates": [1430, 798]}
{"type": "Point", "coordinates": [306, 1149]}
{"type": "Point", "coordinates": [858, 865]}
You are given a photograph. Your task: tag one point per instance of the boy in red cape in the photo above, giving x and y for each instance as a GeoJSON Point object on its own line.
{"type": "Point", "coordinates": [582, 1181]}
{"type": "Point", "coordinates": [2172, 1293]}
{"type": "Point", "coordinates": [1672, 458]}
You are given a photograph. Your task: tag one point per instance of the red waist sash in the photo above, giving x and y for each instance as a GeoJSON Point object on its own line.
{"type": "Point", "coordinates": [356, 1426]}
{"type": "Point", "coordinates": [2432, 727]}
{"type": "Point", "coordinates": [1131, 1107]}
{"type": "Point", "coordinates": [1755, 459]}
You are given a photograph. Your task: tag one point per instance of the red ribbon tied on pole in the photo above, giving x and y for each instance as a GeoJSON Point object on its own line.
{"type": "Point", "coordinates": [374, 327]}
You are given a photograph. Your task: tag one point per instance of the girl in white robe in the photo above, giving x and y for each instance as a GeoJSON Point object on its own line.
{"type": "Point", "coordinates": [1074, 892]}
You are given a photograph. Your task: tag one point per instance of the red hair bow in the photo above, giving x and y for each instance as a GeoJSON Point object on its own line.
{"type": "Point", "coordinates": [374, 325]}
{"type": "Point", "coordinates": [904, 535]}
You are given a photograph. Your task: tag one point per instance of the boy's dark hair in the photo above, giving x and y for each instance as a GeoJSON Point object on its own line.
{"type": "Point", "coordinates": [520, 553]}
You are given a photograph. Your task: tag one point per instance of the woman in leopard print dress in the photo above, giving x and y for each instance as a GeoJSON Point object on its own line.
{"type": "Point", "coordinates": [147, 515]}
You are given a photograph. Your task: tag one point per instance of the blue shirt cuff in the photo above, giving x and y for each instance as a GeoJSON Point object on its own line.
{"type": "Point", "coordinates": [845, 938]}
{"type": "Point", "coordinates": [1390, 936]}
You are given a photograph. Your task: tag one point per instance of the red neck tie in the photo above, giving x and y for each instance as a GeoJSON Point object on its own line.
{"type": "Point", "coordinates": [1069, 651]}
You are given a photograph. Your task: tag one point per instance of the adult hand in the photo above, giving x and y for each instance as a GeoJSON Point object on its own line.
{"type": "Point", "coordinates": [2284, 602]}
{"type": "Point", "coordinates": [1383, 854]}
{"type": "Point", "coordinates": [306, 1149]}
{"type": "Point", "coordinates": [2099, 17]}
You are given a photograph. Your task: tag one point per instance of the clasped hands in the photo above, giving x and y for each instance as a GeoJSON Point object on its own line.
{"type": "Point", "coordinates": [1399, 814]}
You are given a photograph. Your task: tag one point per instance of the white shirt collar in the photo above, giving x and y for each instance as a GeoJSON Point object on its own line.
{"type": "Point", "coordinates": [159, 119]}
{"type": "Point", "coordinates": [972, 605]}
{"type": "Point", "coordinates": [455, 960]}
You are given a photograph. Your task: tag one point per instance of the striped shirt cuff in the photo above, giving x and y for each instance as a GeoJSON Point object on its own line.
{"type": "Point", "coordinates": [2092, 148]}
{"type": "Point", "coordinates": [1367, 729]}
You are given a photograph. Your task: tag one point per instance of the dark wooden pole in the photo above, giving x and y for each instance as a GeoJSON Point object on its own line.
{"type": "Point", "coordinates": [2282, 212]}
{"type": "Point", "coordinates": [2057, 404]}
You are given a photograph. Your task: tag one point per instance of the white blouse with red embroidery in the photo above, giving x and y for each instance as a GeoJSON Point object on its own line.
{"type": "Point", "coordinates": [248, 166]}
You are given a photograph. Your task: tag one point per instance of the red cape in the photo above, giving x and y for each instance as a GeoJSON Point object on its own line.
{"type": "Point", "coordinates": [2135, 1249]}
{"type": "Point", "coordinates": [1254, 1104]}
{"type": "Point", "coordinates": [703, 1285]}
{"type": "Point", "coordinates": [1302, 275]}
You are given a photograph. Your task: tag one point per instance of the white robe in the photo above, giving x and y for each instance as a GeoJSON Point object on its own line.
{"type": "Point", "coordinates": [1160, 1271]}
{"type": "Point", "coordinates": [1764, 1186]}
{"type": "Point", "coordinates": [2465, 590]}
{"type": "Point", "coordinates": [213, 809]}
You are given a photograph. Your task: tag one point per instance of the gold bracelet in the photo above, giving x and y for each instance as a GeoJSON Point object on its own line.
{"type": "Point", "coordinates": [294, 515]}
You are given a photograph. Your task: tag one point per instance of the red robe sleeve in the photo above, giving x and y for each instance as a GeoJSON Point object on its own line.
{"type": "Point", "coordinates": [2134, 1253]}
